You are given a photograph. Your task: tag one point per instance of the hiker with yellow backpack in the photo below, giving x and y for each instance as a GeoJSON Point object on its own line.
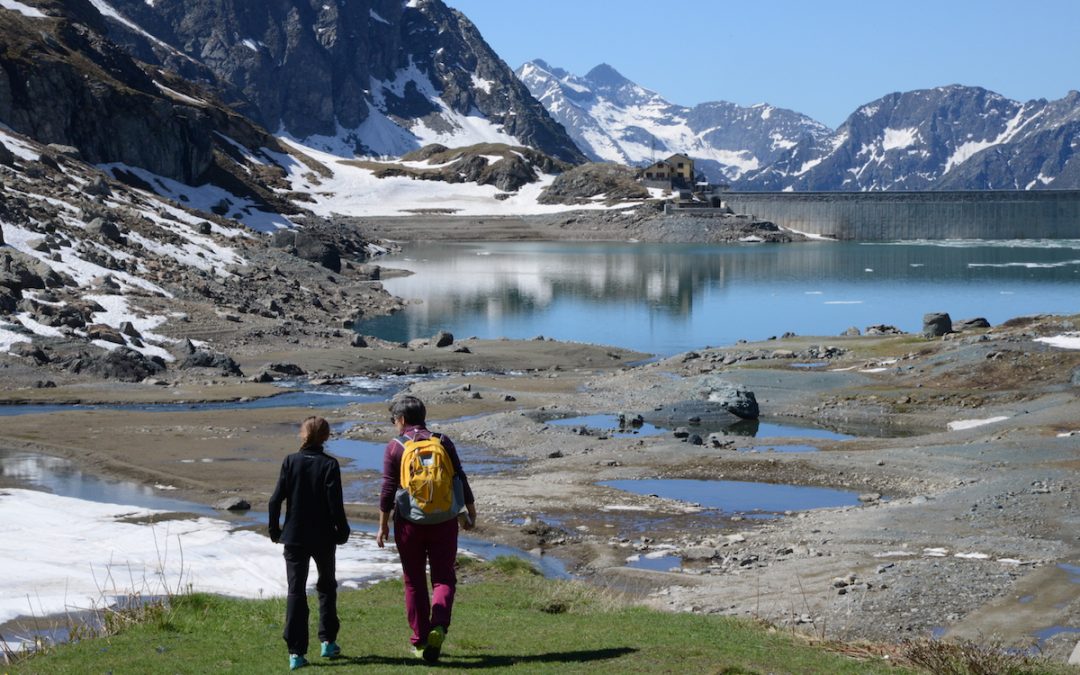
{"type": "Point", "coordinates": [426, 490]}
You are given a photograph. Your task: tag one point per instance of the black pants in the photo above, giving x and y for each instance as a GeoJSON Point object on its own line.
{"type": "Point", "coordinates": [297, 559]}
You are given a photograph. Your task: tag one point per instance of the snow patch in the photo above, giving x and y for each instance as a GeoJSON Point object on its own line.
{"type": "Point", "coordinates": [68, 553]}
{"type": "Point", "coordinates": [1066, 341]}
{"type": "Point", "coordinates": [25, 10]}
{"type": "Point", "coordinates": [899, 138]}
{"type": "Point", "coordinates": [375, 15]}
{"type": "Point", "coordinates": [960, 425]}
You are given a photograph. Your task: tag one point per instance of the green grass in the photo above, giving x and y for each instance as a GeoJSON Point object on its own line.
{"type": "Point", "coordinates": [505, 618]}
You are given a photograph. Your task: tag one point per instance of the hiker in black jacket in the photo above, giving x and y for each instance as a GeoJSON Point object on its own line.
{"type": "Point", "coordinates": [310, 485]}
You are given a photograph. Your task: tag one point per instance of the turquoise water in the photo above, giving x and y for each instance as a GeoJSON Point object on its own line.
{"type": "Point", "coordinates": [668, 298]}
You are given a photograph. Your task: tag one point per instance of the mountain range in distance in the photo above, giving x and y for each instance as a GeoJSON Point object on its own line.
{"type": "Point", "coordinates": [948, 138]}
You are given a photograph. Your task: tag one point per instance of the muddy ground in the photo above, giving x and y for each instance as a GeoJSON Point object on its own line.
{"type": "Point", "coordinates": [966, 532]}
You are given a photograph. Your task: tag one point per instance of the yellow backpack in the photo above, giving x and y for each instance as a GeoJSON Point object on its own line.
{"type": "Point", "coordinates": [429, 491]}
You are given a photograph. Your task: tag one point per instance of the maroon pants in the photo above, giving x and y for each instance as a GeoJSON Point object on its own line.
{"type": "Point", "coordinates": [418, 546]}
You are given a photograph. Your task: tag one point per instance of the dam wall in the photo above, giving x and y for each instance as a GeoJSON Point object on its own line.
{"type": "Point", "coordinates": [881, 216]}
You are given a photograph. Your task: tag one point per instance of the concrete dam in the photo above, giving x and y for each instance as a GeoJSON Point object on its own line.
{"type": "Point", "coordinates": [878, 216]}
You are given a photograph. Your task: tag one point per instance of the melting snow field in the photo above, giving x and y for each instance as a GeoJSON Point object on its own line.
{"type": "Point", "coordinates": [354, 191]}
{"type": "Point", "coordinates": [63, 554]}
{"type": "Point", "coordinates": [1067, 341]}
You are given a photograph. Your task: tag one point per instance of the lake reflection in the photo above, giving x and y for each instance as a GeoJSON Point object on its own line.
{"type": "Point", "coordinates": [668, 298]}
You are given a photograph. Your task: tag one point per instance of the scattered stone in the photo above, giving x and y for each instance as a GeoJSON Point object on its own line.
{"type": "Point", "coordinates": [205, 359]}
{"type": "Point", "coordinates": [358, 340]}
{"type": "Point", "coordinates": [852, 332]}
{"type": "Point", "coordinates": [462, 349]}
{"type": "Point", "coordinates": [509, 398]}
{"type": "Point", "coordinates": [263, 377]}
{"type": "Point", "coordinates": [556, 455]}
{"type": "Point", "coordinates": [870, 497]}
{"type": "Point", "coordinates": [695, 439]}
{"type": "Point", "coordinates": [475, 395]}
{"type": "Point", "coordinates": [736, 400]}
{"type": "Point", "coordinates": [883, 329]}
{"type": "Point", "coordinates": [681, 432]}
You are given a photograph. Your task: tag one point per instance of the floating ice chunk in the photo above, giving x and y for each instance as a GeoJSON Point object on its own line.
{"type": "Point", "coordinates": [972, 556]}
{"type": "Point", "coordinates": [935, 552]}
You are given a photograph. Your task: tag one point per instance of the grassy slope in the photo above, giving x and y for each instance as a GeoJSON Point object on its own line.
{"type": "Point", "coordinates": [519, 623]}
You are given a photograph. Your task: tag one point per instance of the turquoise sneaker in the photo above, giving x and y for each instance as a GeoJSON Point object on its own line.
{"type": "Point", "coordinates": [330, 650]}
{"type": "Point", "coordinates": [434, 644]}
{"type": "Point", "coordinates": [297, 661]}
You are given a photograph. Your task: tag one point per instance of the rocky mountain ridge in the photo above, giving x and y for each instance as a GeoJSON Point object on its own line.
{"type": "Point", "coordinates": [613, 119]}
{"type": "Point", "coordinates": [945, 138]}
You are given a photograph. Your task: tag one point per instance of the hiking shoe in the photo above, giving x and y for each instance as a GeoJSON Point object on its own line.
{"type": "Point", "coordinates": [434, 644]}
{"type": "Point", "coordinates": [418, 651]}
{"type": "Point", "coordinates": [297, 661]}
{"type": "Point", "coordinates": [330, 650]}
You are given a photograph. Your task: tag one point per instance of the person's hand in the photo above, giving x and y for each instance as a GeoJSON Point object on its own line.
{"type": "Point", "coordinates": [468, 520]}
{"type": "Point", "coordinates": [275, 534]}
{"type": "Point", "coordinates": [384, 534]}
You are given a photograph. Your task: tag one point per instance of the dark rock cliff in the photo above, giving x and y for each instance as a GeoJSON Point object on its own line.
{"type": "Point", "coordinates": [320, 67]}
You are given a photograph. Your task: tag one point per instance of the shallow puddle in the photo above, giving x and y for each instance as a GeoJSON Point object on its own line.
{"type": "Point", "coordinates": [61, 477]}
{"type": "Point", "coordinates": [658, 563]}
{"type": "Point", "coordinates": [740, 496]}
{"type": "Point", "coordinates": [610, 424]}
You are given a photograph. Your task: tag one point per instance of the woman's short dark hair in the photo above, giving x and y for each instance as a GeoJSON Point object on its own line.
{"type": "Point", "coordinates": [408, 408]}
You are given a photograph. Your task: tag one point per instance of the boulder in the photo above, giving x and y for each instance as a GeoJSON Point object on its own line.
{"type": "Point", "coordinates": [101, 331]}
{"type": "Point", "coordinates": [129, 329]}
{"type": "Point", "coordinates": [961, 325]}
{"type": "Point", "coordinates": [283, 238]}
{"type": "Point", "coordinates": [851, 332]}
{"type": "Point", "coordinates": [936, 324]}
{"type": "Point", "coordinates": [317, 251]}
{"type": "Point", "coordinates": [882, 329]}
{"type": "Point", "coordinates": [69, 151]}
{"type": "Point", "coordinates": [204, 359]}
{"type": "Point", "coordinates": [290, 369]}
{"type": "Point", "coordinates": [104, 228]}
{"type": "Point", "coordinates": [28, 350]}
{"type": "Point", "coordinates": [233, 504]}
{"type": "Point", "coordinates": [358, 340]}
{"type": "Point", "coordinates": [738, 401]}
{"type": "Point", "coordinates": [98, 188]}
{"type": "Point", "coordinates": [7, 158]}
{"type": "Point", "coordinates": [443, 339]}
{"type": "Point", "coordinates": [121, 363]}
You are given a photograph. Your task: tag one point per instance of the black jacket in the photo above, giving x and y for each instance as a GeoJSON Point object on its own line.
{"type": "Point", "coordinates": [310, 484]}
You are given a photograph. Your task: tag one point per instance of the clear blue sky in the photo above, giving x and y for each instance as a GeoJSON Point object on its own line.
{"type": "Point", "coordinates": [823, 59]}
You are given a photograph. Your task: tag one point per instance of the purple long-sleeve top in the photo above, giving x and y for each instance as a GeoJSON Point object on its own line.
{"type": "Point", "coordinates": [391, 473]}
